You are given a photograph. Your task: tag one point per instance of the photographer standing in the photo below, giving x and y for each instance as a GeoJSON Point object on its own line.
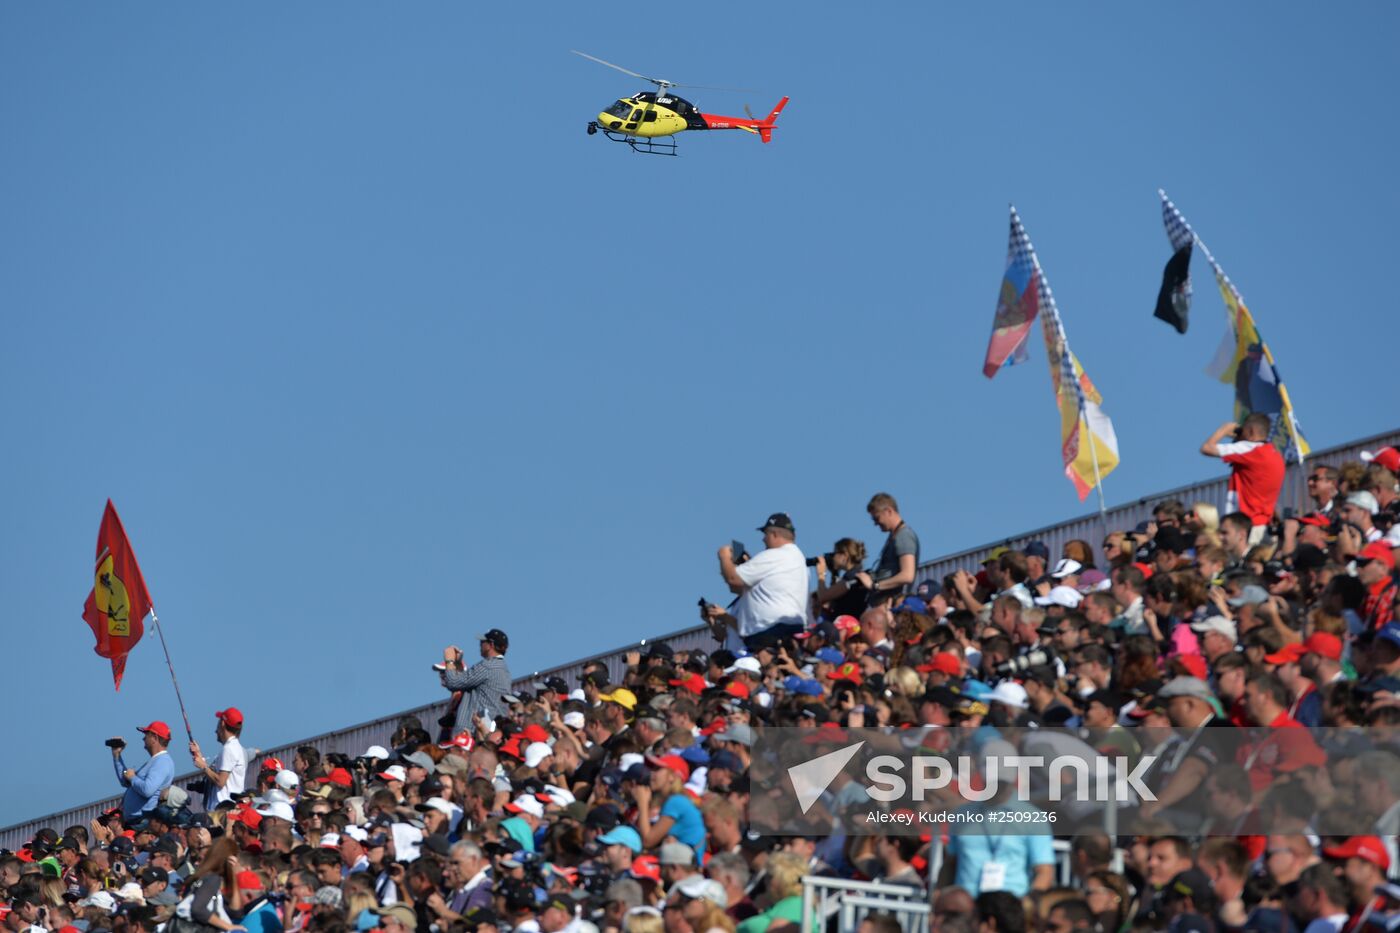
{"type": "Point", "coordinates": [899, 558]}
{"type": "Point", "coordinates": [846, 560]}
{"type": "Point", "coordinates": [1256, 469]}
{"type": "Point", "coordinates": [772, 588]}
{"type": "Point", "coordinates": [483, 685]}
{"type": "Point", "coordinates": [143, 785]}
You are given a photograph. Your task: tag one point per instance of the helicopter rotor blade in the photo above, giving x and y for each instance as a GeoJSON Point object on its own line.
{"type": "Point", "coordinates": [750, 113]}
{"type": "Point", "coordinates": [659, 82]}
{"type": "Point", "coordinates": [711, 87]}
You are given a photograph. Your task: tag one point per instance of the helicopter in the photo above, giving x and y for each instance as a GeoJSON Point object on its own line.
{"type": "Point", "coordinates": [649, 121]}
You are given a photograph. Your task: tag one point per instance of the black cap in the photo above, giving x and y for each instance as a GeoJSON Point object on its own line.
{"type": "Point", "coordinates": [943, 696]}
{"type": "Point", "coordinates": [438, 845]}
{"type": "Point", "coordinates": [1171, 539]}
{"type": "Point", "coordinates": [68, 842]}
{"type": "Point", "coordinates": [480, 916]}
{"type": "Point", "coordinates": [1191, 883]}
{"type": "Point", "coordinates": [660, 649]}
{"type": "Point", "coordinates": [498, 639]}
{"type": "Point", "coordinates": [557, 684]}
{"type": "Point", "coordinates": [151, 875]}
{"type": "Point", "coordinates": [778, 520]}
{"type": "Point", "coordinates": [1110, 698]}
{"type": "Point", "coordinates": [1309, 557]}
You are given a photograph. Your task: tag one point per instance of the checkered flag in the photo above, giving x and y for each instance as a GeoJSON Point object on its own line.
{"type": "Point", "coordinates": [1174, 297]}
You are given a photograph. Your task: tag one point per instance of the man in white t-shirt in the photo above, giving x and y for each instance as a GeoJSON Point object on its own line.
{"type": "Point", "coordinates": [228, 774]}
{"type": "Point", "coordinates": [771, 585]}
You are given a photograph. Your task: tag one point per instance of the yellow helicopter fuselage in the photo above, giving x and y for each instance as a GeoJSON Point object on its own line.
{"type": "Point", "coordinates": [641, 118]}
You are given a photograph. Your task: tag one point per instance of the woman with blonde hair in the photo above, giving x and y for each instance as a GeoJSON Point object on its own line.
{"type": "Point", "coordinates": [1204, 520]}
{"type": "Point", "coordinates": [905, 681]}
{"type": "Point", "coordinates": [785, 871]}
{"type": "Point", "coordinates": [359, 896]}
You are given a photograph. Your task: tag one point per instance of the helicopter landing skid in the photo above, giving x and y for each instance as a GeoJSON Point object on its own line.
{"type": "Point", "coordinates": [656, 146]}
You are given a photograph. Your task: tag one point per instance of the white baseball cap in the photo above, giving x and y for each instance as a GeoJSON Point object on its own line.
{"type": "Point", "coordinates": [527, 803]}
{"type": "Point", "coordinates": [748, 664]}
{"type": "Point", "coordinates": [1010, 693]}
{"type": "Point", "coordinates": [536, 752]}
{"type": "Point", "coordinates": [376, 751]}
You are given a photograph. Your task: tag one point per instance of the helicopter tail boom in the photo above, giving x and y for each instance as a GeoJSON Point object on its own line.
{"type": "Point", "coordinates": [765, 129]}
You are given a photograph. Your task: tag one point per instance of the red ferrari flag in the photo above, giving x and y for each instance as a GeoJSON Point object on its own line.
{"type": "Point", "coordinates": [119, 603]}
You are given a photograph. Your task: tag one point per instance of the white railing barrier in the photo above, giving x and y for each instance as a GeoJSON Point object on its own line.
{"type": "Point", "coordinates": [851, 901]}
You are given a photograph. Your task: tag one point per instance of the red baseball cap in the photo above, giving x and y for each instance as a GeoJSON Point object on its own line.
{"type": "Point", "coordinates": [1322, 643]}
{"type": "Point", "coordinates": [535, 732]}
{"type": "Point", "coordinates": [249, 881]}
{"type": "Point", "coordinates": [272, 764]}
{"type": "Point", "coordinates": [647, 866]}
{"type": "Point", "coordinates": [848, 671]}
{"type": "Point", "coordinates": [158, 728]}
{"type": "Point", "coordinates": [1387, 457]}
{"type": "Point", "coordinates": [340, 777]}
{"type": "Point", "coordinates": [1288, 654]}
{"type": "Point", "coordinates": [461, 740]}
{"type": "Point", "coordinates": [736, 689]}
{"type": "Point", "coordinates": [847, 624]}
{"type": "Point", "coordinates": [944, 662]}
{"type": "Point", "coordinates": [1377, 550]}
{"type": "Point", "coordinates": [230, 717]}
{"type": "Point", "coordinates": [1369, 848]}
{"type": "Point", "coordinates": [694, 683]}
{"type": "Point", "coordinates": [1316, 518]}
{"type": "Point", "coordinates": [672, 763]}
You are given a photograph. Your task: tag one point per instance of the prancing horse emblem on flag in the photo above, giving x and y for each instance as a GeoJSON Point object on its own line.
{"type": "Point", "coordinates": [109, 593]}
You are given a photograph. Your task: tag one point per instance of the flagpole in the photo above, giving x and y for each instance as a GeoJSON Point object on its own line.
{"type": "Point", "coordinates": [179, 699]}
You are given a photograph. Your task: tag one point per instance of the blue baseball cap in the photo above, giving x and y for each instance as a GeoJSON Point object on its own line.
{"type": "Point", "coordinates": [830, 656]}
{"type": "Point", "coordinates": [801, 686]}
{"type": "Point", "coordinates": [727, 761]}
{"type": "Point", "coordinates": [694, 756]}
{"type": "Point", "coordinates": [927, 589]}
{"type": "Point", "coordinates": [977, 690]}
{"type": "Point", "coordinates": [1391, 633]}
{"type": "Point", "coordinates": [912, 604]}
{"type": "Point", "coordinates": [622, 836]}
{"type": "Point", "coordinates": [1036, 549]}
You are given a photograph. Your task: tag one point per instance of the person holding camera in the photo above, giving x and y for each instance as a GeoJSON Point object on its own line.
{"type": "Point", "coordinates": [482, 685]}
{"type": "Point", "coordinates": [143, 785]}
{"type": "Point", "coordinates": [844, 595]}
{"type": "Point", "coordinates": [771, 586]}
{"type": "Point", "coordinates": [1256, 469]}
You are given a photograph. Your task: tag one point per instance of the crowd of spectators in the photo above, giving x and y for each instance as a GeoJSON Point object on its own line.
{"type": "Point", "coordinates": [619, 801]}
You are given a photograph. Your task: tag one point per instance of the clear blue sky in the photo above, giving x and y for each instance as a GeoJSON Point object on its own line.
{"type": "Point", "coordinates": [374, 348]}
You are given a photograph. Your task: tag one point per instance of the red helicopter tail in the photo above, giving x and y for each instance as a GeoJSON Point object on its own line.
{"type": "Point", "coordinates": [765, 129]}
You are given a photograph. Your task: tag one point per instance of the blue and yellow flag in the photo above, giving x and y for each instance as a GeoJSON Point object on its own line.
{"type": "Point", "coordinates": [1244, 361]}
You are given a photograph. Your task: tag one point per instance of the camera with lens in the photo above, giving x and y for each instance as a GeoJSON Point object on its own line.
{"type": "Point", "coordinates": [115, 743]}
{"type": "Point", "coordinates": [1036, 658]}
{"type": "Point", "coordinates": [829, 558]}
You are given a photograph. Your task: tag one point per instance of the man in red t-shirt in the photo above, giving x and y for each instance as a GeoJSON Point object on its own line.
{"type": "Point", "coordinates": [1256, 469]}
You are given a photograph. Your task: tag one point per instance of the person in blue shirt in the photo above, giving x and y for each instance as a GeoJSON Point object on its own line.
{"type": "Point", "coordinates": [144, 785]}
{"type": "Point", "coordinates": [678, 815]}
{"type": "Point", "coordinates": [983, 856]}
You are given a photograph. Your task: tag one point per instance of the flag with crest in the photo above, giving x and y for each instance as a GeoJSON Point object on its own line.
{"type": "Point", "coordinates": [117, 607]}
